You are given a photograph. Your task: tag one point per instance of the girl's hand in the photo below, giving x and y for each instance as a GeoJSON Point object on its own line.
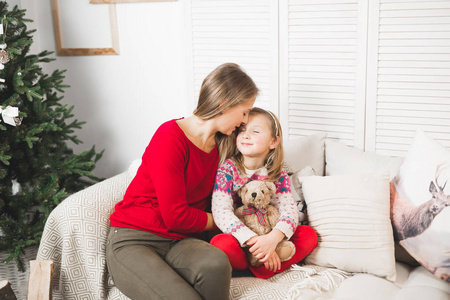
{"type": "Point", "coordinates": [273, 262]}
{"type": "Point", "coordinates": [251, 240]}
{"type": "Point", "coordinates": [263, 246]}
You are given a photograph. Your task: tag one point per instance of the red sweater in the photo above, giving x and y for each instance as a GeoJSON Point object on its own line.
{"type": "Point", "coordinates": [172, 187]}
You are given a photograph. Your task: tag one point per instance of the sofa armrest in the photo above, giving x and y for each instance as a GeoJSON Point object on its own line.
{"type": "Point", "coordinates": [74, 238]}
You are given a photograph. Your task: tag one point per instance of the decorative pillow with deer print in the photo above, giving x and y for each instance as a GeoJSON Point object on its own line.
{"type": "Point", "coordinates": [420, 200]}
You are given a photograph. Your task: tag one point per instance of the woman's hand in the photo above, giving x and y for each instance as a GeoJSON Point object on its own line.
{"type": "Point", "coordinates": [210, 225]}
{"type": "Point", "coordinates": [263, 246]}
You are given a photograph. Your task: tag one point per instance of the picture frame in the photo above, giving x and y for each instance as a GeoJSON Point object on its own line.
{"type": "Point", "coordinates": [124, 1]}
{"type": "Point", "coordinates": [61, 50]}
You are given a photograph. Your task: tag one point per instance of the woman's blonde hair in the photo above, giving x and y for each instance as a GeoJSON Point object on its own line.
{"type": "Point", "coordinates": [226, 86]}
{"type": "Point", "coordinates": [275, 159]}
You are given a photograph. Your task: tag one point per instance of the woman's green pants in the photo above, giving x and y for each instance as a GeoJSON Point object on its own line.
{"type": "Point", "coordinates": [147, 266]}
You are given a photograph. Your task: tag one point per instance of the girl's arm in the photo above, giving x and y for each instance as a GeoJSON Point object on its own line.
{"type": "Point", "coordinates": [284, 202]}
{"type": "Point", "coordinates": [263, 246]}
{"type": "Point", "coordinates": [223, 208]}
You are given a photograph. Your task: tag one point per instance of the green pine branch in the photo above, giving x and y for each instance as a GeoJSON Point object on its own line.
{"type": "Point", "coordinates": [38, 169]}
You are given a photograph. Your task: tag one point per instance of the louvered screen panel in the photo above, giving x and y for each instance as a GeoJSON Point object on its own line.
{"type": "Point", "coordinates": [410, 85]}
{"type": "Point", "coordinates": [239, 31]}
{"type": "Point", "coordinates": [323, 70]}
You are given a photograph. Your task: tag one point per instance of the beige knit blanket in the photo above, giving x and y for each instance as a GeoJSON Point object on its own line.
{"type": "Point", "coordinates": [299, 282]}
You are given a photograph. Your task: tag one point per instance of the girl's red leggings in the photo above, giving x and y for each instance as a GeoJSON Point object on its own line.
{"type": "Point", "coordinates": [304, 239]}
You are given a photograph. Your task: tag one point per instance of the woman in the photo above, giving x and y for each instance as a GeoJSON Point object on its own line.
{"type": "Point", "coordinates": [152, 250]}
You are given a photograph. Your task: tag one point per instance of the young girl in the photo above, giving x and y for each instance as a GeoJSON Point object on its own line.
{"type": "Point", "coordinates": [258, 155]}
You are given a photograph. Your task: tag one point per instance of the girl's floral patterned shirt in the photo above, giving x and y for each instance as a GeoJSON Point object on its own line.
{"type": "Point", "coordinates": [225, 200]}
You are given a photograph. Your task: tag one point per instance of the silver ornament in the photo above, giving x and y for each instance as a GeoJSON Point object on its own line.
{"type": "Point", "coordinates": [4, 56]}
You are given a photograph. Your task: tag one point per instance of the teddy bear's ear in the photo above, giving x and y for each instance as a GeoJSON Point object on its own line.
{"type": "Point", "coordinates": [271, 186]}
{"type": "Point", "coordinates": [241, 192]}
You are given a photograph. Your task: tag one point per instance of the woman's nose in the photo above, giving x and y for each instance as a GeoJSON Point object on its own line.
{"type": "Point", "coordinates": [244, 120]}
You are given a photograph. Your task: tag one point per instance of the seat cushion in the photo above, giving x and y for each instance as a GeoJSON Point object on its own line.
{"type": "Point", "coordinates": [411, 283]}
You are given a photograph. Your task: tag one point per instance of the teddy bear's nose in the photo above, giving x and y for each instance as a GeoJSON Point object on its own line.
{"type": "Point", "coordinates": [254, 195]}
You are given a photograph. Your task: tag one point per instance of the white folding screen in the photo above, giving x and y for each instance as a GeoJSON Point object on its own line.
{"type": "Point", "coordinates": [366, 72]}
{"type": "Point", "coordinates": [408, 73]}
{"type": "Point", "coordinates": [323, 54]}
{"type": "Point", "coordinates": [240, 31]}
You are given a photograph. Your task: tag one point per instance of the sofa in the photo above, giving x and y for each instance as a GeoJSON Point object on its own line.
{"type": "Point", "coordinates": [348, 264]}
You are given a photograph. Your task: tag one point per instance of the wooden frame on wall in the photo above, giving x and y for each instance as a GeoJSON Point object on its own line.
{"type": "Point", "coordinates": [60, 50]}
{"type": "Point", "coordinates": [124, 1]}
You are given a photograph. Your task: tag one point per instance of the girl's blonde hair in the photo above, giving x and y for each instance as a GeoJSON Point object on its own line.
{"type": "Point", "coordinates": [226, 86]}
{"type": "Point", "coordinates": [275, 159]}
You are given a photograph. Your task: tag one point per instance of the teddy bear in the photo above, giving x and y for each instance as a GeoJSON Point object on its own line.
{"type": "Point", "coordinates": [261, 217]}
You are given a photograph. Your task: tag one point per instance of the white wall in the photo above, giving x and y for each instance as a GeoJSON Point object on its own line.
{"type": "Point", "coordinates": [11, 3]}
{"type": "Point", "coordinates": [124, 98]}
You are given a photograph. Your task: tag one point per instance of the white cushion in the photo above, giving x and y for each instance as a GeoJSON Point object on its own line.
{"type": "Point", "coordinates": [306, 151]}
{"type": "Point", "coordinates": [420, 212]}
{"type": "Point", "coordinates": [411, 284]}
{"type": "Point", "coordinates": [367, 287]}
{"type": "Point", "coordinates": [420, 293]}
{"type": "Point", "coordinates": [419, 168]}
{"type": "Point", "coordinates": [297, 192]}
{"type": "Point", "coordinates": [342, 160]}
{"type": "Point", "coordinates": [350, 214]}
{"type": "Point", "coordinates": [421, 277]}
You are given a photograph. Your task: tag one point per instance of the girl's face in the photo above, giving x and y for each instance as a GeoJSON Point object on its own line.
{"type": "Point", "coordinates": [235, 116]}
{"type": "Point", "coordinates": [255, 138]}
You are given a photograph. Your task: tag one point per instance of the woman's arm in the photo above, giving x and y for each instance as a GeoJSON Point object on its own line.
{"type": "Point", "coordinates": [210, 225]}
{"type": "Point", "coordinates": [167, 160]}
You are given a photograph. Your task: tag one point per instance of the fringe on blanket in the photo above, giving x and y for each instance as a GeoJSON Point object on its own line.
{"type": "Point", "coordinates": [316, 278]}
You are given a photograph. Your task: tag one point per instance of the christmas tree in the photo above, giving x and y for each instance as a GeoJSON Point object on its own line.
{"type": "Point", "coordinates": [38, 169]}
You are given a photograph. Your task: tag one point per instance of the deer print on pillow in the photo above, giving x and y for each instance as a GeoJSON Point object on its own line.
{"type": "Point", "coordinates": [410, 220]}
{"type": "Point", "coordinates": [412, 224]}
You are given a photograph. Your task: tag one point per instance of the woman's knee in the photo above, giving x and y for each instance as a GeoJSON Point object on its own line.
{"type": "Point", "coordinates": [215, 262]}
{"type": "Point", "coordinates": [214, 276]}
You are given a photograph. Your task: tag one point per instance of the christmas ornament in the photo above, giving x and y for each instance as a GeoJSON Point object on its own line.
{"type": "Point", "coordinates": [10, 115]}
{"type": "Point", "coordinates": [18, 120]}
{"type": "Point", "coordinates": [16, 187]}
{"type": "Point", "coordinates": [4, 56]}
